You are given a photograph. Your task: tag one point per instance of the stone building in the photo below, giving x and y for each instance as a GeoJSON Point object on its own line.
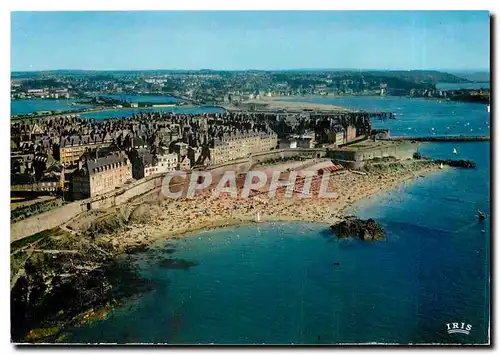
{"type": "Point", "coordinates": [166, 162]}
{"type": "Point", "coordinates": [304, 141]}
{"type": "Point", "coordinates": [350, 133]}
{"type": "Point", "coordinates": [180, 148]}
{"type": "Point", "coordinates": [157, 161]}
{"type": "Point", "coordinates": [194, 154]}
{"type": "Point", "coordinates": [241, 145]}
{"type": "Point", "coordinates": [98, 176]}
{"type": "Point", "coordinates": [184, 163]}
{"type": "Point", "coordinates": [73, 147]}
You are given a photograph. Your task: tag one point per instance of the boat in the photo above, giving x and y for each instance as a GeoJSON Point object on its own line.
{"type": "Point", "coordinates": [481, 215]}
{"type": "Point", "coordinates": [441, 166]}
{"type": "Point", "coordinates": [258, 217]}
{"type": "Point", "coordinates": [488, 108]}
{"type": "Point", "coordinates": [455, 151]}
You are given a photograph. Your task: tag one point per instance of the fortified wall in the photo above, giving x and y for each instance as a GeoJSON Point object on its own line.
{"type": "Point", "coordinates": [355, 157]}
{"type": "Point", "coordinates": [244, 165]}
{"type": "Point", "coordinates": [143, 189]}
{"type": "Point", "coordinates": [56, 217]}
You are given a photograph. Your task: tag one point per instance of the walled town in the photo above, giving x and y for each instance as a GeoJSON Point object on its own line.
{"type": "Point", "coordinates": [83, 158]}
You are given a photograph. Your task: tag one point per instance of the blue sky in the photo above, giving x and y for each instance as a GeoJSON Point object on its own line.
{"type": "Point", "coordinates": [250, 40]}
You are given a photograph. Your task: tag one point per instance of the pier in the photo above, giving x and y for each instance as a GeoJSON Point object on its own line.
{"type": "Point", "coordinates": [458, 138]}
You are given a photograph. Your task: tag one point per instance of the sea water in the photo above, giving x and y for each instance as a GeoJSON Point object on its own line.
{"type": "Point", "coordinates": [295, 283]}
{"type": "Point", "coordinates": [417, 116]}
{"type": "Point", "coordinates": [25, 106]}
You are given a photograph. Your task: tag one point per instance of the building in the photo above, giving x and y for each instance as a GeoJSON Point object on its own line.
{"type": "Point", "coordinates": [288, 144]}
{"type": "Point", "coordinates": [99, 176]}
{"type": "Point", "coordinates": [184, 163]}
{"type": "Point", "coordinates": [336, 135]}
{"type": "Point", "coordinates": [48, 184]}
{"type": "Point", "coordinates": [166, 162]}
{"type": "Point", "coordinates": [142, 163]}
{"type": "Point", "coordinates": [72, 148]}
{"type": "Point", "coordinates": [304, 141]}
{"type": "Point", "coordinates": [241, 145]}
{"type": "Point", "coordinates": [350, 133]}
{"type": "Point", "coordinates": [194, 154]}
{"type": "Point", "coordinates": [180, 148]}
{"type": "Point", "coordinates": [146, 163]}
{"type": "Point", "coordinates": [381, 133]}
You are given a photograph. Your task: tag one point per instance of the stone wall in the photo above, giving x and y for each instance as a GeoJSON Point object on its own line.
{"type": "Point", "coordinates": [46, 220]}
{"type": "Point", "coordinates": [63, 214]}
{"type": "Point", "coordinates": [356, 159]}
{"type": "Point", "coordinates": [245, 164]}
{"type": "Point", "coordinates": [150, 185]}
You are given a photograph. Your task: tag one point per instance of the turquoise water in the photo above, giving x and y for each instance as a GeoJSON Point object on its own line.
{"type": "Point", "coordinates": [21, 107]}
{"type": "Point", "coordinates": [142, 98]}
{"type": "Point", "coordinates": [127, 112]}
{"type": "Point", "coordinates": [277, 283]}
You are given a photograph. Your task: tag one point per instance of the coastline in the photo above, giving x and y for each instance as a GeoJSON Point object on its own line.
{"type": "Point", "coordinates": [278, 103]}
{"type": "Point", "coordinates": [182, 218]}
{"type": "Point", "coordinates": [179, 218]}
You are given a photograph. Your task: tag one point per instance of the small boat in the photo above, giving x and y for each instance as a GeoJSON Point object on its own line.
{"type": "Point", "coordinates": [488, 108]}
{"type": "Point", "coordinates": [455, 151]}
{"type": "Point", "coordinates": [481, 215]}
{"type": "Point", "coordinates": [441, 166]}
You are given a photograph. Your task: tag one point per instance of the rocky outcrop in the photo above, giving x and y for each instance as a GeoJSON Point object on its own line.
{"type": "Point", "coordinates": [172, 263]}
{"type": "Point", "coordinates": [51, 293]}
{"type": "Point", "coordinates": [468, 164]}
{"type": "Point", "coordinates": [353, 226]}
{"type": "Point", "coordinates": [144, 213]}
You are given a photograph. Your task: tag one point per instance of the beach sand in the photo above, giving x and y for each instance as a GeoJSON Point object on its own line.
{"type": "Point", "coordinates": [177, 217]}
{"type": "Point", "coordinates": [279, 103]}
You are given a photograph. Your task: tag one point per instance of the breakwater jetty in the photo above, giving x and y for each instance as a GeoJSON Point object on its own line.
{"type": "Point", "coordinates": [458, 138]}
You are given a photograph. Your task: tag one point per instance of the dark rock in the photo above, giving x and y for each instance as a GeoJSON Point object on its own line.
{"type": "Point", "coordinates": [467, 164]}
{"type": "Point", "coordinates": [172, 263]}
{"type": "Point", "coordinates": [352, 226]}
{"type": "Point", "coordinates": [136, 249]}
{"type": "Point", "coordinates": [35, 305]}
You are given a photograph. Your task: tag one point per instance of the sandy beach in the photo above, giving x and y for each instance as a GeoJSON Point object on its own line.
{"type": "Point", "coordinates": [174, 218]}
{"type": "Point", "coordinates": [280, 103]}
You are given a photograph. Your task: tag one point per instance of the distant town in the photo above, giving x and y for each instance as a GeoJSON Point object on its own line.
{"type": "Point", "coordinates": [222, 87]}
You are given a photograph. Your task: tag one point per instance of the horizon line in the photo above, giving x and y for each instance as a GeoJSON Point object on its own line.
{"type": "Point", "coordinates": [263, 70]}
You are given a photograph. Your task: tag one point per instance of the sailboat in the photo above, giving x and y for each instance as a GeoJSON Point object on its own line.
{"type": "Point", "coordinates": [455, 151]}
{"type": "Point", "coordinates": [258, 217]}
{"type": "Point", "coordinates": [488, 108]}
{"type": "Point", "coordinates": [441, 166]}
